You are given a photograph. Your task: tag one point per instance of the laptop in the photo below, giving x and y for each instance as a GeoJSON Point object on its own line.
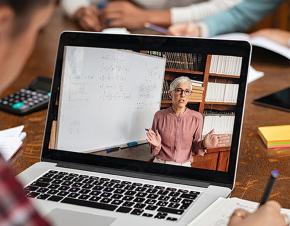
{"type": "Point", "coordinates": [96, 166]}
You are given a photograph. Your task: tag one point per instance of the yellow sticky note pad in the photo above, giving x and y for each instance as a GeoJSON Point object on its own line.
{"type": "Point", "coordinates": [275, 136]}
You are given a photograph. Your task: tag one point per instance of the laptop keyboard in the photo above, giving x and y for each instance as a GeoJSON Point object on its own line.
{"type": "Point", "coordinates": [140, 199]}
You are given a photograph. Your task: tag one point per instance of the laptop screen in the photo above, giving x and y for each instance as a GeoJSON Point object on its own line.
{"type": "Point", "coordinates": [157, 106]}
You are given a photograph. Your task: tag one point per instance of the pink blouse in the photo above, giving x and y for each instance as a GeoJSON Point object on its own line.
{"type": "Point", "coordinates": [180, 135]}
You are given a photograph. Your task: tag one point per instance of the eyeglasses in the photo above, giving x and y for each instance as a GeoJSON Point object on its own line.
{"type": "Point", "coordinates": [180, 91]}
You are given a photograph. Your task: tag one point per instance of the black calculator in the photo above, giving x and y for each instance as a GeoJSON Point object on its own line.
{"type": "Point", "coordinates": [33, 98]}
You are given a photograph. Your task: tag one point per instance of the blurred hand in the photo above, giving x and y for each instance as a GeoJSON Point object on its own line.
{"type": "Point", "coordinates": [267, 215]}
{"type": "Point", "coordinates": [153, 138]}
{"type": "Point", "coordinates": [88, 18]}
{"type": "Point", "coordinates": [124, 14]}
{"type": "Point", "coordinates": [185, 29]}
{"type": "Point", "coordinates": [212, 140]}
{"type": "Point", "coordinates": [276, 35]}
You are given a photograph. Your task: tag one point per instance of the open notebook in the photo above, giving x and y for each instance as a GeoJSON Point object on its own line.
{"type": "Point", "coordinates": [219, 212]}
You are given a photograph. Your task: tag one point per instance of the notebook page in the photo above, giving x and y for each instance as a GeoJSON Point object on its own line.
{"type": "Point", "coordinates": [219, 212]}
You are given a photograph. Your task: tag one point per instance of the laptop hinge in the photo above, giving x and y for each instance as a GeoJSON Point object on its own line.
{"type": "Point", "coordinates": [127, 173]}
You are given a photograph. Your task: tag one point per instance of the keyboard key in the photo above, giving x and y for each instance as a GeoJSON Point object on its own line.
{"type": "Point", "coordinates": [119, 185]}
{"type": "Point", "coordinates": [137, 184]}
{"type": "Point", "coordinates": [160, 215]}
{"type": "Point", "coordinates": [137, 212]}
{"type": "Point", "coordinates": [170, 210]}
{"type": "Point", "coordinates": [140, 189]}
{"type": "Point", "coordinates": [117, 202]}
{"type": "Point", "coordinates": [73, 195]}
{"type": "Point", "coordinates": [183, 191]}
{"type": "Point", "coordinates": [140, 200]}
{"type": "Point", "coordinates": [171, 218]}
{"type": "Point", "coordinates": [108, 189]}
{"type": "Point", "coordinates": [194, 192]}
{"type": "Point", "coordinates": [63, 188]}
{"type": "Point", "coordinates": [161, 203]}
{"type": "Point", "coordinates": [116, 196]}
{"type": "Point", "coordinates": [177, 200]}
{"type": "Point", "coordinates": [119, 191]}
{"type": "Point", "coordinates": [53, 186]}
{"type": "Point", "coordinates": [40, 184]}
{"type": "Point", "coordinates": [76, 185]}
{"type": "Point", "coordinates": [128, 204]}
{"type": "Point", "coordinates": [105, 194]}
{"type": "Point", "coordinates": [173, 205]}
{"type": "Point", "coordinates": [159, 187]}
{"type": "Point", "coordinates": [67, 183]}
{"type": "Point", "coordinates": [127, 198]}
{"type": "Point", "coordinates": [162, 192]}
{"type": "Point", "coordinates": [124, 209]}
{"type": "Point", "coordinates": [95, 198]}
{"type": "Point", "coordinates": [42, 190]}
{"type": "Point", "coordinates": [56, 181]}
{"type": "Point", "coordinates": [139, 206]}
{"type": "Point", "coordinates": [63, 193]}
{"type": "Point", "coordinates": [187, 201]}
{"type": "Point", "coordinates": [84, 191]}
{"type": "Point", "coordinates": [44, 179]}
{"type": "Point", "coordinates": [174, 194]}
{"type": "Point", "coordinates": [188, 196]}
{"type": "Point", "coordinates": [97, 205]}
{"type": "Point", "coordinates": [95, 193]}
{"type": "Point", "coordinates": [74, 190]}
{"type": "Point", "coordinates": [52, 192]}
{"type": "Point", "coordinates": [87, 186]}
{"type": "Point", "coordinates": [141, 194]}
{"type": "Point", "coordinates": [184, 207]}
{"type": "Point", "coordinates": [150, 201]}
{"type": "Point", "coordinates": [31, 188]}
{"type": "Point", "coordinates": [43, 196]}
{"type": "Point", "coordinates": [151, 207]}
{"type": "Point", "coordinates": [32, 194]}
{"type": "Point", "coordinates": [55, 198]}
{"type": "Point", "coordinates": [163, 198]}
{"type": "Point", "coordinates": [147, 215]}
{"type": "Point", "coordinates": [152, 196]}
{"type": "Point", "coordinates": [130, 193]}
{"type": "Point", "coordinates": [152, 190]}
{"type": "Point", "coordinates": [105, 200]}
{"type": "Point", "coordinates": [84, 197]}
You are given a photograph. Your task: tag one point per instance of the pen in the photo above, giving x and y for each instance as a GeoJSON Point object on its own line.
{"type": "Point", "coordinates": [269, 186]}
{"type": "Point", "coordinates": [147, 130]}
{"type": "Point", "coordinates": [157, 28]}
{"type": "Point", "coordinates": [101, 4]}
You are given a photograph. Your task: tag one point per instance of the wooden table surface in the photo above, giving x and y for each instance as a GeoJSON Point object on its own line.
{"type": "Point", "coordinates": [255, 161]}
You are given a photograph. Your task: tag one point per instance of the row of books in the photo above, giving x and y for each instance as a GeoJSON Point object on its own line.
{"type": "Point", "coordinates": [196, 95]}
{"type": "Point", "coordinates": [182, 61]}
{"type": "Point", "coordinates": [222, 92]}
{"type": "Point", "coordinates": [221, 123]}
{"type": "Point", "coordinates": [227, 65]}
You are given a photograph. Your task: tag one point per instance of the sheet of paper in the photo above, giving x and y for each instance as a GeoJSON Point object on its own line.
{"type": "Point", "coordinates": [116, 31]}
{"type": "Point", "coordinates": [11, 141]}
{"type": "Point", "coordinates": [258, 41]}
{"type": "Point", "coordinates": [253, 74]}
{"type": "Point", "coordinates": [219, 212]}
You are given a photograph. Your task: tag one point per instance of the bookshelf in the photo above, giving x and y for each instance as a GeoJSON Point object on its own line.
{"type": "Point", "coordinates": [215, 87]}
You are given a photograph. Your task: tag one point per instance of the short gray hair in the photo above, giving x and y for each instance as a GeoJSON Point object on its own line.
{"type": "Point", "coordinates": [177, 81]}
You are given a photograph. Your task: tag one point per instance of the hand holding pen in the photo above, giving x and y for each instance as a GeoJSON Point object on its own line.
{"type": "Point", "coordinates": [268, 213]}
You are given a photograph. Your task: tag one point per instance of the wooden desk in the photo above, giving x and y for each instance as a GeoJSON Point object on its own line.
{"type": "Point", "coordinates": [255, 162]}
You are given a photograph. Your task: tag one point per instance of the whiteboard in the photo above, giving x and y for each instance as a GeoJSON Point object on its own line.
{"type": "Point", "coordinates": [107, 97]}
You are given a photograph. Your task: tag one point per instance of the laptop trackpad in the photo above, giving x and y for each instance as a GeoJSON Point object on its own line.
{"type": "Point", "coordinates": [61, 217]}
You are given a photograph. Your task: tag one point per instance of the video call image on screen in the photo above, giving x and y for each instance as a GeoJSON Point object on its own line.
{"type": "Point", "coordinates": [122, 104]}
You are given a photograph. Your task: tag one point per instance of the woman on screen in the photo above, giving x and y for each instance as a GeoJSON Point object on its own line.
{"type": "Point", "coordinates": [176, 133]}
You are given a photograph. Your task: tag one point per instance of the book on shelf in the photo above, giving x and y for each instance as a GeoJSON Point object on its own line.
{"type": "Point", "coordinates": [226, 65]}
{"type": "Point", "coordinates": [222, 92]}
{"type": "Point", "coordinates": [259, 41]}
{"type": "Point", "coordinates": [222, 123]}
{"type": "Point", "coordinates": [181, 61]}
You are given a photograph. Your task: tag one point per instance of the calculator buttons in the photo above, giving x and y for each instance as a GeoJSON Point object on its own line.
{"type": "Point", "coordinates": [18, 105]}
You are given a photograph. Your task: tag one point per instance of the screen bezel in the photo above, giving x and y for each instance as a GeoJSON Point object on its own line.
{"type": "Point", "coordinates": [157, 43]}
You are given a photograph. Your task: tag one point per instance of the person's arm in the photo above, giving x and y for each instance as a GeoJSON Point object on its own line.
{"type": "Point", "coordinates": [70, 7]}
{"type": "Point", "coordinates": [153, 137]}
{"type": "Point", "coordinates": [16, 209]}
{"type": "Point", "coordinates": [199, 11]}
{"type": "Point", "coordinates": [239, 18]}
{"type": "Point", "coordinates": [197, 143]}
